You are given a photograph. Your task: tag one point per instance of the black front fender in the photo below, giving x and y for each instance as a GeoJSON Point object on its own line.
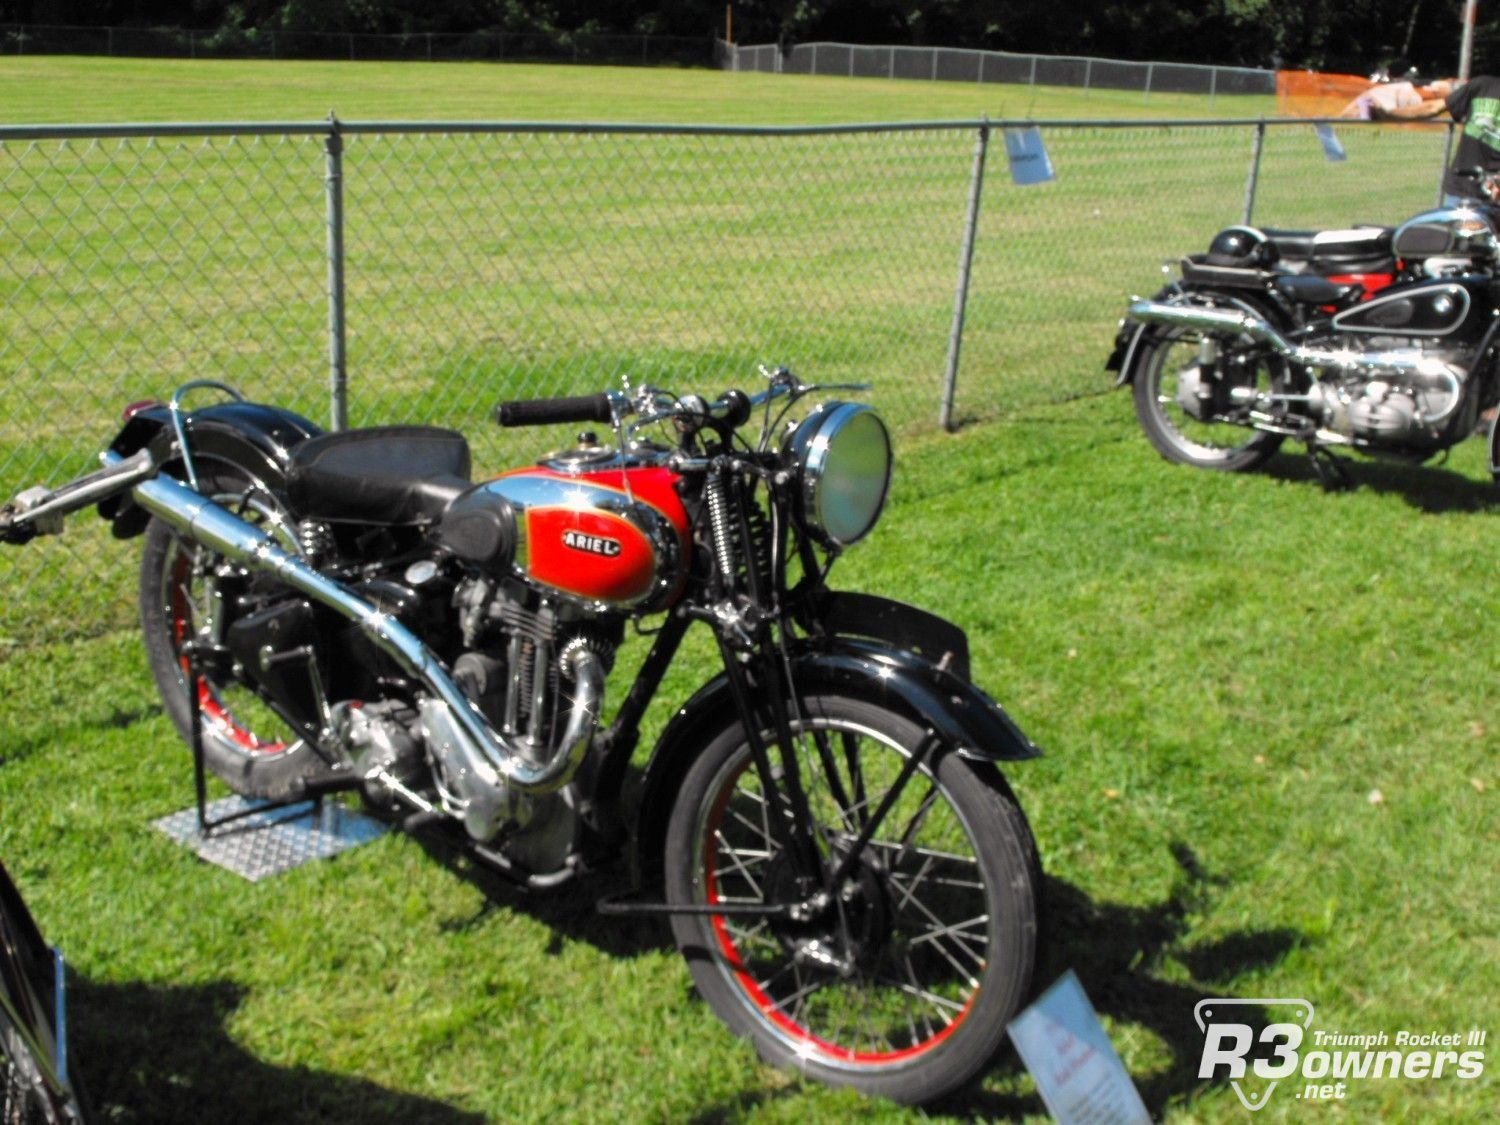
{"type": "Point", "coordinates": [964, 718]}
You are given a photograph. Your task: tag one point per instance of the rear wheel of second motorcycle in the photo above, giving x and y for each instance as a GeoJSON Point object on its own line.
{"type": "Point", "coordinates": [1169, 370]}
{"type": "Point", "coordinates": [183, 591]}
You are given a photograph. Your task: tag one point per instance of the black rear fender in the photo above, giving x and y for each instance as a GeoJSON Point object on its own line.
{"type": "Point", "coordinates": [1128, 339]}
{"type": "Point", "coordinates": [1122, 358]}
{"type": "Point", "coordinates": [256, 439]}
{"type": "Point", "coordinates": [1132, 336]}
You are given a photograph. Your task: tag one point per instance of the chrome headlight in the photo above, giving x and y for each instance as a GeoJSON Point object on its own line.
{"type": "Point", "coordinates": [842, 455]}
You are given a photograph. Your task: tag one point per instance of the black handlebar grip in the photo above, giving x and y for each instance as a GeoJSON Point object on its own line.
{"type": "Point", "coordinates": [546, 411]}
{"type": "Point", "coordinates": [12, 532]}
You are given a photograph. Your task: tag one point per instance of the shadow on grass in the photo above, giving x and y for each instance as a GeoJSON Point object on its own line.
{"type": "Point", "coordinates": [1118, 951]}
{"type": "Point", "coordinates": [1428, 488]}
{"type": "Point", "coordinates": [160, 1055]}
{"type": "Point", "coordinates": [568, 910]}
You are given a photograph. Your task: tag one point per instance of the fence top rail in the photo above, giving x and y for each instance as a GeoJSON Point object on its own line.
{"type": "Point", "coordinates": [323, 128]}
{"type": "Point", "coordinates": [1010, 55]}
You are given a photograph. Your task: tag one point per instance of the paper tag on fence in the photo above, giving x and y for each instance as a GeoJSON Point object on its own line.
{"type": "Point", "coordinates": [1068, 1052]}
{"type": "Point", "coordinates": [1029, 163]}
{"type": "Point", "coordinates": [1332, 148]}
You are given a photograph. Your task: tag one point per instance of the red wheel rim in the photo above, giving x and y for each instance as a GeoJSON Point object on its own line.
{"type": "Point", "coordinates": [802, 1037]}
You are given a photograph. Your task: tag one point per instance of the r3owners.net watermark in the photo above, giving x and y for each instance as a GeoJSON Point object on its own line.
{"type": "Point", "coordinates": [1323, 1065]}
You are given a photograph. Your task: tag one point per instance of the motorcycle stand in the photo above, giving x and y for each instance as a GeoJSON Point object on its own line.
{"type": "Point", "coordinates": [1328, 469]}
{"type": "Point", "coordinates": [267, 837]}
{"type": "Point", "coordinates": [313, 792]}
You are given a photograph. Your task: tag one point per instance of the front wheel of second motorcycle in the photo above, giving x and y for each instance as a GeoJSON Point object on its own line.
{"type": "Point", "coordinates": [1193, 391]}
{"type": "Point", "coordinates": [900, 980]}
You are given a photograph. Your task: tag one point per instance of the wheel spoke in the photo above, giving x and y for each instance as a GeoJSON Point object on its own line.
{"type": "Point", "coordinates": [740, 867]}
{"type": "Point", "coordinates": [830, 774]}
{"type": "Point", "coordinates": [915, 824]}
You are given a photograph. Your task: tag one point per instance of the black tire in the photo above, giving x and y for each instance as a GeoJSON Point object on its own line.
{"type": "Point", "coordinates": [937, 936]}
{"type": "Point", "coordinates": [245, 744]}
{"type": "Point", "coordinates": [1166, 355]}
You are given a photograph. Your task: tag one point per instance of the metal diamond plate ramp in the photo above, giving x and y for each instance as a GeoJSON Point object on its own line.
{"type": "Point", "coordinates": [270, 842]}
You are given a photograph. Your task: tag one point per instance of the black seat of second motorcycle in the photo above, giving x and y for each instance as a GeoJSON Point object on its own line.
{"type": "Point", "coordinates": [1332, 246]}
{"type": "Point", "coordinates": [384, 474]}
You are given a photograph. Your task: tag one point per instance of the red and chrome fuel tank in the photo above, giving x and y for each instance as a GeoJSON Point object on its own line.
{"type": "Point", "coordinates": [598, 528]}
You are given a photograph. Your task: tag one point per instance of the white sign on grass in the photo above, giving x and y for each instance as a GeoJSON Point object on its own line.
{"type": "Point", "coordinates": [1075, 1066]}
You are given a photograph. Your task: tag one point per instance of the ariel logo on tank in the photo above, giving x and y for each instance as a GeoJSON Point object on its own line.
{"type": "Point", "coordinates": [600, 545]}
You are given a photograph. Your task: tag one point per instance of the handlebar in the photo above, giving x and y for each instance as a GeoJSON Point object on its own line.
{"type": "Point", "coordinates": [547, 411]}
{"type": "Point", "coordinates": [40, 511]}
{"type": "Point", "coordinates": [649, 405]}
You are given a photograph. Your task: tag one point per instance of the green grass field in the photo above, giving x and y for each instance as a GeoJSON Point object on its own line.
{"type": "Point", "coordinates": [1269, 713]}
{"type": "Point", "coordinates": [93, 90]}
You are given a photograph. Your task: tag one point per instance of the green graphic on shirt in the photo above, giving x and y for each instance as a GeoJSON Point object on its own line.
{"type": "Point", "coordinates": [1484, 122]}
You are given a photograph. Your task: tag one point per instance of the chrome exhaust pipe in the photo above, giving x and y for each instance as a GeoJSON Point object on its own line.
{"type": "Point", "coordinates": [202, 521]}
{"type": "Point", "coordinates": [1242, 323]}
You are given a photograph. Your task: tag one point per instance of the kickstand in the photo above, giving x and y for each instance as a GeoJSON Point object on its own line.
{"type": "Point", "coordinates": [1329, 469]}
{"type": "Point", "coordinates": [190, 650]}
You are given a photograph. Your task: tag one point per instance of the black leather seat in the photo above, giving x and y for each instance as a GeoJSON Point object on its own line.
{"type": "Point", "coordinates": [1330, 248]}
{"type": "Point", "coordinates": [385, 474]}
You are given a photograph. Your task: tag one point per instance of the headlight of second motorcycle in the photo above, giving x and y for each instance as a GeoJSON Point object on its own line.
{"type": "Point", "coordinates": [842, 455]}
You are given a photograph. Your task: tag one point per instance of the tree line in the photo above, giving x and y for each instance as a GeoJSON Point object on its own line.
{"type": "Point", "coordinates": [1332, 35]}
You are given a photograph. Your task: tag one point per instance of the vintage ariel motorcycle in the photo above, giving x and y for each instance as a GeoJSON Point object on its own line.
{"type": "Point", "coordinates": [824, 822]}
{"type": "Point", "coordinates": [1376, 339]}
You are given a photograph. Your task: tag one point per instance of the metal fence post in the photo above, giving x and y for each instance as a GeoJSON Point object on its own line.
{"type": "Point", "coordinates": [965, 265]}
{"type": "Point", "coordinates": [338, 369]}
{"type": "Point", "coordinates": [1257, 145]}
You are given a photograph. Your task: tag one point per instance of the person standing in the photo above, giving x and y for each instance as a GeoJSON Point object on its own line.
{"type": "Point", "coordinates": [1475, 105]}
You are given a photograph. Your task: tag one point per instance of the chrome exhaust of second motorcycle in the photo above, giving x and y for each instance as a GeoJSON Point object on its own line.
{"type": "Point", "coordinates": [1403, 363]}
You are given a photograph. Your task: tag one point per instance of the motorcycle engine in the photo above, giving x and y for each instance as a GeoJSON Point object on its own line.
{"type": "Point", "coordinates": [514, 664]}
{"type": "Point", "coordinates": [1393, 405]}
{"type": "Point", "coordinates": [518, 650]}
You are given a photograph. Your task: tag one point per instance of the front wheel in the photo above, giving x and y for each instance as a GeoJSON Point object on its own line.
{"type": "Point", "coordinates": [902, 981]}
{"type": "Point", "coordinates": [1193, 391]}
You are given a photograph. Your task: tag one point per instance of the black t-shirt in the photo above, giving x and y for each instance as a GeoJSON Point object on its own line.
{"type": "Point", "coordinates": [1476, 105]}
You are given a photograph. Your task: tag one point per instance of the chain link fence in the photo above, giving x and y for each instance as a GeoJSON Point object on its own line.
{"type": "Point", "coordinates": [373, 273]}
{"type": "Point", "coordinates": [952, 64]}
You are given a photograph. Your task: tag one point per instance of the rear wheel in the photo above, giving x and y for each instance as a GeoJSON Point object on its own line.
{"type": "Point", "coordinates": [1193, 391]}
{"type": "Point", "coordinates": [901, 982]}
{"type": "Point", "coordinates": [188, 592]}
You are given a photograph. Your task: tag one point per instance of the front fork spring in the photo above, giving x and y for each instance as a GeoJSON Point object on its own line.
{"type": "Point", "coordinates": [721, 527]}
